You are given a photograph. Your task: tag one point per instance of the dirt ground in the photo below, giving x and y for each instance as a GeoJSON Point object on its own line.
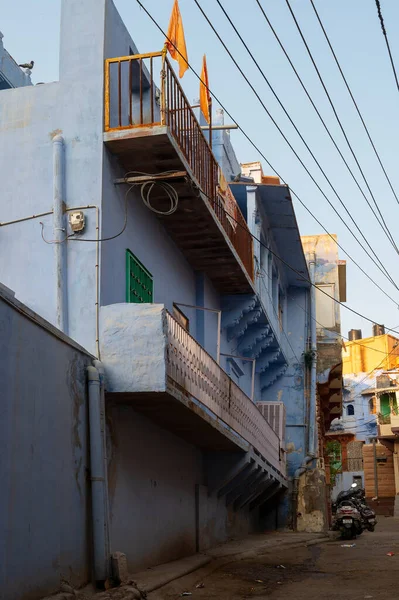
{"type": "Point", "coordinates": [328, 572]}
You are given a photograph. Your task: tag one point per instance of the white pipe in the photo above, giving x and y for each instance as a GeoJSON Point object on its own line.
{"type": "Point", "coordinates": [59, 234]}
{"type": "Point", "coordinates": [219, 315]}
{"type": "Point", "coordinates": [97, 266]}
{"type": "Point", "coordinates": [313, 371]}
{"type": "Point", "coordinates": [253, 381]}
{"type": "Point", "coordinates": [218, 337]}
{"type": "Point", "coordinates": [101, 556]}
{"type": "Point", "coordinates": [253, 360]}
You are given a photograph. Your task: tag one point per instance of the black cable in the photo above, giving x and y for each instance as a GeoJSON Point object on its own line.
{"type": "Point", "coordinates": [341, 335]}
{"type": "Point", "coordinates": [353, 100]}
{"type": "Point", "coordinates": [383, 269]}
{"type": "Point", "coordinates": [324, 124]}
{"type": "Point", "coordinates": [71, 238]}
{"type": "Point", "coordinates": [322, 120]}
{"type": "Point", "coordinates": [378, 5]}
{"type": "Point", "coordinates": [387, 355]}
{"type": "Point", "coordinates": [284, 262]}
{"type": "Point", "coordinates": [266, 159]}
{"type": "Point", "coordinates": [385, 227]}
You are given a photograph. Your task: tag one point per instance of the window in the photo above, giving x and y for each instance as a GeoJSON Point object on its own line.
{"type": "Point", "coordinates": [350, 411]}
{"type": "Point", "coordinates": [139, 282]}
{"type": "Point", "coordinates": [181, 318]}
{"type": "Point", "coordinates": [373, 406]}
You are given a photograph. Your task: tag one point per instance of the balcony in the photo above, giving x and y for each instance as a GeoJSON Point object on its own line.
{"type": "Point", "coordinates": [388, 426]}
{"type": "Point", "coordinates": [153, 130]}
{"type": "Point", "coordinates": [155, 365]}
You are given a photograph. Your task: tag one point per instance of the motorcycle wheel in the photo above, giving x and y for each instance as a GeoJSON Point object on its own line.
{"type": "Point", "coordinates": [347, 534]}
{"type": "Point", "coordinates": [371, 528]}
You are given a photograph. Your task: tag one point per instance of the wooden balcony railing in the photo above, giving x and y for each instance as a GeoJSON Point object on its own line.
{"type": "Point", "coordinates": [195, 371]}
{"type": "Point", "coordinates": [133, 100]}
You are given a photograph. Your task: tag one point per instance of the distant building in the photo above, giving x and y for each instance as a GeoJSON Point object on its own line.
{"type": "Point", "coordinates": [328, 273]}
{"type": "Point", "coordinates": [369, 366]}
{"type": "Point", "coordinates": [11, 75]}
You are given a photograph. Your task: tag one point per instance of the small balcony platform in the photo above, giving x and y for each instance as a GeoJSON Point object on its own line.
{"type": "Point", "coordinates": [153, 364]}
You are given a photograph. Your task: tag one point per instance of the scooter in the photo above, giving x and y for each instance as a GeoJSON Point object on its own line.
{"type": "Point", "coordinates": [356, 495]}
{"type": "Point", "coordinates": [348, 520]}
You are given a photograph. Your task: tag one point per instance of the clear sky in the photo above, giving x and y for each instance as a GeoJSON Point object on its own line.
{"type": "Point", "coordinates": [31, 31]}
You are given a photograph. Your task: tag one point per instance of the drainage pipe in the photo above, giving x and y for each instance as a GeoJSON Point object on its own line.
{"type": "Point", "coordinates": [101, 555]}
{"type": "Point", "coordinates": [313, 370]}
{"type": "Point", "coordinates": [59, 234]}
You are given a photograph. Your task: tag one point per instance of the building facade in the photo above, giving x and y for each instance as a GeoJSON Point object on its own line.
{"type": "Point", "coordinates": [328, 273]}
{"type": "Point", "coordinates": [123, 232]}
{"type": "Point", "coordinates": [11, 75]}
{"type": "Point", "coordinates": [369, 368]}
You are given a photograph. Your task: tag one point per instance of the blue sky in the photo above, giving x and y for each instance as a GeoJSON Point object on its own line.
{"type": "Point", "coordinates": [31, 31]}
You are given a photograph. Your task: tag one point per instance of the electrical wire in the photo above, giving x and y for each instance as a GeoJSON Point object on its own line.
{"type": "Point", "coordinates": [340, 335]}
{"type": "Point", "coordinates": [169, 190]}
{"type": "Point", "coordinates": [106, 239]}
{"type": "Point", "coordinates": [384, 32]}
{"type": "Point", "coordinates": [298, 131]}
{"type": "Point", "coordinates": [382, 223]}
{"type": "Point", "coordinates": [267, 161]}
{"type": "Point", "coordinates": [353, 99]}
{"type": "Point", "coordinates": [298, 273]}
{"type": "Point", "coordinates": [375, 368]}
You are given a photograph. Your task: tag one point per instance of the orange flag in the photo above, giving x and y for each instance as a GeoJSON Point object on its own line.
{"type": "Point", "coordinates": [205, 97]}
{"type": "Point", "coordinates": [175, 41]}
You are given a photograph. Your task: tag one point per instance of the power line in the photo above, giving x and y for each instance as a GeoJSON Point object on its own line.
{"type": "Point", "coordinates": [322, 121]}
{"type": "Point", "coordinates": [384, 32]}
{"type": "Point", "coordinates": [277, 173]}
{"type": "Point", "coordinates": [376, 367]}
{"type": "Point", "coordinates": [383, 225]}
{"type": "Point", "coordinates": [383, 269]}
{"type": "Point", "coordinates": [353, 99]}
{"type": "Point", "coordinates": [298, 273]}
{"type": "Point", "coordinates": [386, 230]}
{"type": "Point", "coordinates": [341, 335]}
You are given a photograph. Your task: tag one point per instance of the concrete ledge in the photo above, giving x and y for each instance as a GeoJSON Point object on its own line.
{"type": "Point", "coordinates": [196, 568]}
{"type": "Point", "coordinates": [156, 577]}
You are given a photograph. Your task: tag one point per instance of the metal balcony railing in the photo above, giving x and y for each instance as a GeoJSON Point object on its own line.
{"type": "Point", "coordinates": [194, 370]}
{"type": "Point", "coordinates": [133, 100]}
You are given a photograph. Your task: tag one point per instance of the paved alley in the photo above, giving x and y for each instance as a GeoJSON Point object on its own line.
{"type": "Point", "coordinates": [327, 571]}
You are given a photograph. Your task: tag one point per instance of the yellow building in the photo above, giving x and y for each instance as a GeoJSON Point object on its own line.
{"type": "Point", "coordinates": [365, 355]}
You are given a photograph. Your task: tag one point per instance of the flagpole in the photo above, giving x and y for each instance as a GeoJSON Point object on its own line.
{"type": "Point", "coordinates": [210, 122]}
{"type": "Point", "coordinates": [163, 76]}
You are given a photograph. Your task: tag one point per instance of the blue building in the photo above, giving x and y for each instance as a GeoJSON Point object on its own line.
{"type": "Point", "coordinates": [120, 230]}
{"type": "Point", "coordinates": [11, 75]}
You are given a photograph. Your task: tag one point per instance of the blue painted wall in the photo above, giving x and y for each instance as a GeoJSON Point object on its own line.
{"type": "Point", "coordinates": [363, 424]}
{"type": "Point", "coordinates": [11, 75]}
{"type": "Point", "coordinates": [29, 118]}
{"type": "Point", "coordinates": [290, 389]}
{"type": "Point", "coordinates": [45, 495]}
{"type": "Point", "coordinates": [74, 107]}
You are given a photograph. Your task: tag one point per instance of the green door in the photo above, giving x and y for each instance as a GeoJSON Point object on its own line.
{"type": "Point", "coordinates": [384, 405]}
